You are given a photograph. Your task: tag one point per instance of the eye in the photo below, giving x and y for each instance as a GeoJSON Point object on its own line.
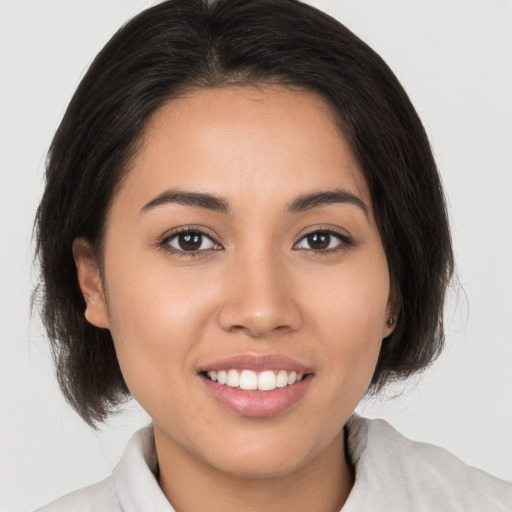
{"type": "Point", "coordinates": [190, 241]}
{"type": "Point", "coordinates": [323, 241]}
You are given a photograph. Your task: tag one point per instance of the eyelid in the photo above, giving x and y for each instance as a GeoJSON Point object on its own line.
{"type": "Point", "coordinates": [164, 240]}
{"type": "Point", "coordinates": [346, 240]}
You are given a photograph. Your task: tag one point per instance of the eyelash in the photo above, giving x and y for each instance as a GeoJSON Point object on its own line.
{"type": "Point", "coordinates": [165, 242]}
{"type": "Point", "coordinates": [345, 242]}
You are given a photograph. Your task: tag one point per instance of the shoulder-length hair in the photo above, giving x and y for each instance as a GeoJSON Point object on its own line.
{"type": "Point", "coordinates": [179, 45]}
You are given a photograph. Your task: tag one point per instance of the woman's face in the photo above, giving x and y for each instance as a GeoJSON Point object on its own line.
{"type": "Point", "coordinates": [243, 238]}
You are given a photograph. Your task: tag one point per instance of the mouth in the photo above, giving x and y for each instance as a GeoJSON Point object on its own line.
{"type": "Point", "coordinates": [249, 380]}
{"type": "Point", "coordinates": [257, 386]}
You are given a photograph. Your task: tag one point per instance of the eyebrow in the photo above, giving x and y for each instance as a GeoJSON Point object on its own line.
{"type": "Point", "coordinates": [325, 198]}
{"type": "Point", "coordinates": [219, 204]}
{"type": "Point", "coordinates": [206, 201]}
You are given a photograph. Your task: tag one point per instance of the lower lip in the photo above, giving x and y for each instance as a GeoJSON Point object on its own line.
{"type": "Point", "coordinates": [257, 404]}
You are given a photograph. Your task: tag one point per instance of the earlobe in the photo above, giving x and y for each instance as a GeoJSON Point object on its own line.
{"type": "Point", "coordinates": [389, 326]}
{"type": "Point", "coordinates": [91, 285]}
{"type": "Point", "coordinates": [392, 312]}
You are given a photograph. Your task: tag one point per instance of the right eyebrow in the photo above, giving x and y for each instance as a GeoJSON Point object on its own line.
{"type": "Point", "coordinates": [203, 200]}
{"type": "Point", "coordinates": [324, 198]}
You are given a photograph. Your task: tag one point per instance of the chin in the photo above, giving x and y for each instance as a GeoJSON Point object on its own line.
{"type": "Point", "coordinates": [265, 455]}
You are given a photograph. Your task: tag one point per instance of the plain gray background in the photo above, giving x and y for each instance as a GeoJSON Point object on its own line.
{"type": "Point", "coordinates": [454, 58]}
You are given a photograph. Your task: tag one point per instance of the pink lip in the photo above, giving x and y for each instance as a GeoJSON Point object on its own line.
{"type": "Point", "coordinates": [256, 362]}
{"type": "Point", "coordinates": [257, 403]}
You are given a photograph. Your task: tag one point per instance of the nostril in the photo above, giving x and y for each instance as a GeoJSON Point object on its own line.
{"type": "Point", "coordinates": [258, 314]}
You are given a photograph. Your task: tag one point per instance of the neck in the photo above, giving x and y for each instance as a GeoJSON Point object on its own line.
{"type": "Point", "coordinates": [322, 484]}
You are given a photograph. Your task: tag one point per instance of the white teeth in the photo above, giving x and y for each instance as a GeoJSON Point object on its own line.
{"type": "Point", "coordinates": [292, 378]}
{"type": "Point", "coordinates": [266, 380]}
{"type": "Point", "coordinates": [233, 379]}
{"type": "Point", "coordinates": [248, 380]}
{"type": "Point", "coordinates": [282, 379]}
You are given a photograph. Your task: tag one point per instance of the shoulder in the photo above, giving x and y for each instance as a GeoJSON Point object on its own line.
{"type": "Point", "coordinates": [132, 487]}
{"type": "Point", "coordinates": [100, 497]}
{"type": "Point", "coordinates": [418, 475]}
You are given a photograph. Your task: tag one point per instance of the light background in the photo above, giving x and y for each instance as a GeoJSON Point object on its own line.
{"type": "Point", "coordinates": [454, 58]}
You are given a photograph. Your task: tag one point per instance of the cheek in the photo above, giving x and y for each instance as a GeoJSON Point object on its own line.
{"type": "Point", "coordinates": [152, 296]}
{"type": "Point", "coordinates": [161, 318]}
{"type": "Point", "coordinates": [348, 313]}
{"type": "Point", "coordinates": [351, 337]}
{"type": "Point", "coordinates": [157, 317]}
{"type": "Point", "coordinates": [351, 301]}
{"type": "Point", "coordinates": [351, 344]}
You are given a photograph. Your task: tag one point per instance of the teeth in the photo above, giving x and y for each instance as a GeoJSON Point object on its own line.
{"type": "Point", "coordinates": [282, 379]}
{"type": "Point", "coordinates": [221, 377]}
{"type": "Point", "coordinates": [266, 380]}
{"type": "Point", "coordinates": [292, 377]}
{"type": "Point", "coordinates": [233, 379]}
{"type": "Point", "coordinates": [248, 380]}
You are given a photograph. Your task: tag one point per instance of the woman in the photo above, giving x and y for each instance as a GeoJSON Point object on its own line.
{"type": "Point", "coordinates": [244, 202]}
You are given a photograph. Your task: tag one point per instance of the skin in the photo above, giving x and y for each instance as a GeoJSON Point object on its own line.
{"type": "Point", "coordinates": [258, 288]}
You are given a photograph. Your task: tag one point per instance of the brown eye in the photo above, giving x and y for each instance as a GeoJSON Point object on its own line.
{"type": "Point", "coordinates": [191, 241]}
{"type": "Point", "coordinates": [323, 241]}
{"type": "Point", "coordinates": [319, 241]}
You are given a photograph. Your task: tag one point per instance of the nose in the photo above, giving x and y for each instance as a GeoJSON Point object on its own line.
{"type": "Point", "coordinates": [259, 297]}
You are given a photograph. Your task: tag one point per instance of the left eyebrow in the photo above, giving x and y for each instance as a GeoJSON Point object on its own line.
{"type": "Point", "coordinates": [206, 201]}
{"type": "Point", "coordinates": [324, 198]}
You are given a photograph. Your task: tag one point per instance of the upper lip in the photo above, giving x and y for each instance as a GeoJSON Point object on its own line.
{"type": "Point", "coordinates": [257, 362]}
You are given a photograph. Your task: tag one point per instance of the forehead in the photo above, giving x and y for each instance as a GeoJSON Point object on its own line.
{"type": "Point", "coordinates": [261, 144]}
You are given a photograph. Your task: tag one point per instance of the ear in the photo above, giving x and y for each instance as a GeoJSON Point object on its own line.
{"type": "Point", "coordinates": [392, 313]}
{"type": "Point", "coordinates": [89, 279]}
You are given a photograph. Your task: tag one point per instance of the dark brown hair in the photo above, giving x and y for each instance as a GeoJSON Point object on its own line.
{"type": "Point", "coordinates": [183, 44]}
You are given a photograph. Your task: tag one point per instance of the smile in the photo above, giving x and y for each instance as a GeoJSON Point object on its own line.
{"type": "Point", "coordinates": [257, 385]}
{"type": "Point", "coordinates": [266, 380]}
